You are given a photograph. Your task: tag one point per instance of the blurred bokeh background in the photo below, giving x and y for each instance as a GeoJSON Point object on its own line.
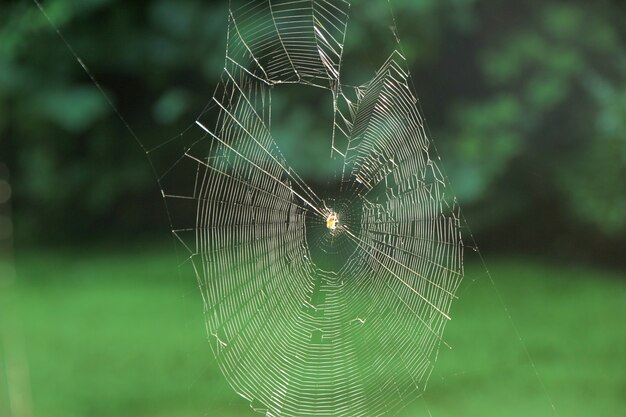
{"type": "Point", "coordinates": [525, 101]}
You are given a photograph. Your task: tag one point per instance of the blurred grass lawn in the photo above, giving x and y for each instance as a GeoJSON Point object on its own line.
{"type": "Point", "coordinates": [121, 334]}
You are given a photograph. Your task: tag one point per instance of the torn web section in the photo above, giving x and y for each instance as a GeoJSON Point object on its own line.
{"type": "Point", "coordinates": [345, 102]}
{"type": "Point", "coordinates": [288, 41]}
{"type": "Point", "coordinates": [410, 248]}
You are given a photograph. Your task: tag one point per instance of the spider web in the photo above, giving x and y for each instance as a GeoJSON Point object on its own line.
{"type": "Point", "coordinates": [305, 320]}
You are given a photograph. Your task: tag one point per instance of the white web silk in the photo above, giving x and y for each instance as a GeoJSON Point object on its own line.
{"type": "Point", "coordinates": [305, 319]}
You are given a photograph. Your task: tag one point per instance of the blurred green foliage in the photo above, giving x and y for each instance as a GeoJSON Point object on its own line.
{"type": "Point", "coordinates": [526, 102]}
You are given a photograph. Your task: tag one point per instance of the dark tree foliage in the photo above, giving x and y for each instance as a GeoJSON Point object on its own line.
{"type": "Point", "coordinates": [526, 102]}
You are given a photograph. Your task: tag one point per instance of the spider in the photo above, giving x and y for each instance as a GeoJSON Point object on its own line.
{"type": "Point", "coordinates": [332, 221]}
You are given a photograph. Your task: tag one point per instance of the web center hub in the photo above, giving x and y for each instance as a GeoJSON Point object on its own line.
{"type": "Point", "coordinates": [332, 221]}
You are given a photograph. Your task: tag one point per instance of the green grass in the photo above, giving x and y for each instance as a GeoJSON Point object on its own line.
{"type": "Point", "coordinates": [106, 333]}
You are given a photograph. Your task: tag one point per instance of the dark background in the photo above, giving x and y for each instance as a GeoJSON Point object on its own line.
{"type": "Point", "coordinates": [525, 102]}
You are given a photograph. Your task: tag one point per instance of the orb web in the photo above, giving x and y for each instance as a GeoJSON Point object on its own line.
{"type": "Point", "coordinates": [317, 303]}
